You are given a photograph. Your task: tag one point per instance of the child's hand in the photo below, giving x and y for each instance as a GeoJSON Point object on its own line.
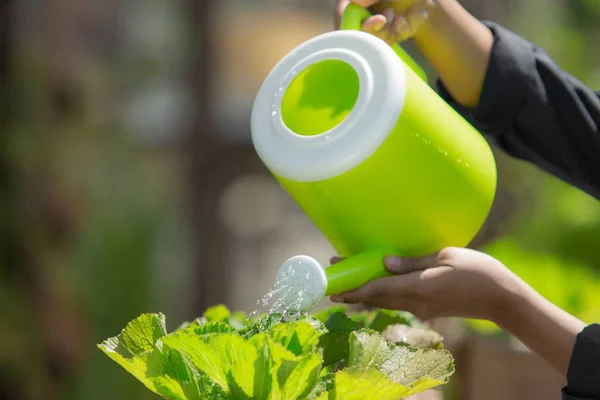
{"type": "Point", "coordinates": [452, 283]}
{"type": "Point", "coordinates": [394, 21]}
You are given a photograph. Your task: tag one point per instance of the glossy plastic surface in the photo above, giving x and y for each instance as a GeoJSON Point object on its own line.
{"type": "Point", "coordinates": [429, 184]}
{"type": "Point", "coordinates": [355, 271]}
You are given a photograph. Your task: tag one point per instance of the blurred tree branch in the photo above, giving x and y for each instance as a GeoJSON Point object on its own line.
{"type": "Point", "coordinates": [36, 223]}
{"type": "Point", "coordinates": [199, 149]}
{"type": "Point", "coordinates": [11, 252]}
{"type": "Point", "coordinates": [212, 165]}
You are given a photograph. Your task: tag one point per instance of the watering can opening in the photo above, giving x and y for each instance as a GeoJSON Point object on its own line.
{"type": "Point", "coordinates": [320, 97]}
{"type": "Point", "coordinates": [328, 105]}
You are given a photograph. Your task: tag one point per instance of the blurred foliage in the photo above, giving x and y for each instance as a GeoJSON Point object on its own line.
{"type": "Point", "coordinates": [583, 13]}
{"type": "Point", "coordinates": [118, 201]}
{"type": "Point", "coordinates": [551, 241]}
{"type": "Point", "coordinates": [552, 246]}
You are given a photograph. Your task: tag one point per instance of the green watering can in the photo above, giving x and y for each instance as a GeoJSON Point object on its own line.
{"type": "Point", "coordinates": [379, 162]}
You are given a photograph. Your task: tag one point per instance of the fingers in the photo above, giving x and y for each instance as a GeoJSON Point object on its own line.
{"type": "Point", "coordinates": [411, 21]}
{"type": "Point", "coordinates": [387, 26]}
{"type": "Point", "coordinates": [398, 20]}
{"type": "Point", "coordinates": [406, 265]}
{"type": "Point", "coordinates": [393, 293]}
{"type": "Point", "coordinates": [404, 292]}
{"type": "Point", "coordinates": [378, 291]}
{"type": "Point", "coordinates": [335, 259]}
{"type": "Point", "coordinates": [374, 24]}
{"type": "Point", "coordinates": [400, 25]}
{"type": "Point", "coordinates": [403, 265]}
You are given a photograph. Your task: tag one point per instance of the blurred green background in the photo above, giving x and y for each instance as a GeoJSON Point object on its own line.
{"type": "Point", "coordinates": [128, 182]}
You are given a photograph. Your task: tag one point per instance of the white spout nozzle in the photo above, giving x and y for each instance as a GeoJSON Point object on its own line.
{"type": "Point", "coordinates": [300, 283]}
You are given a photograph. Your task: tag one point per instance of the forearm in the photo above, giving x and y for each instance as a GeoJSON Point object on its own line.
{"type": "Point", "coordinates": [458, 47]}
{"type": "Point", "coordinates": [543, 327]}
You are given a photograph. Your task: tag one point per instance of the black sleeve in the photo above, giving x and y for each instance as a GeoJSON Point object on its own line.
{"type": "Point", "coordinates": [537, 112]}
{"type": "Point", "coordinates": [583, 376]}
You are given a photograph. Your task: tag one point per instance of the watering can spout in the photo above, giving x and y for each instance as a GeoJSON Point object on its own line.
{"type": "Point", "coordinates": [302, 282]}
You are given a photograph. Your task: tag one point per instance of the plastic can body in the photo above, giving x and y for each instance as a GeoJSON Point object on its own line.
{"type": "Point", "coordinates": [403, 172]}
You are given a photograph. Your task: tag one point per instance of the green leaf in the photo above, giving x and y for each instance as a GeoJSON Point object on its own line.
{"type": "Point", "coordinates": [359, 384]}
{"type": "Point", "coordinates": [335, 342]}
{"type": "Point", "coordinates": [136, 366]}
{"type": "Point", "coordinates": [373, 319]}
{"type": "Point", "coordinates": [271, 359]}
{"type": "Point", "coordinates": [240, 381]}
{"type": "Point", "coordinates": [384, 318]}
{"type": "Point", "coordinates": [262, 324]}
{"type": "Point", "coordinates": [164, 371]}
{"type": "Point", "coordinates": [276, 373]}
{"type": "Point", "coordinates": [326, 384]}
{"type": "Point", "coordinates": [294, 376]}
{"type": "Point", "coordinates": [324, 315]}
{"type": "Point", "coordinates": [218, 313]}
{"type": "Point", "coordinates": [139, 336]}
{"type": "Point", "coordinates": [316, 323]}
{"type": "Point", "coordinates": [418, 369]}
{"type": "Point", "coordinates": [253, 379]}
{"type": "Point", "coordinates": [214, 355]}
{"type": "Point", "coordinates": [213, 327]}
{"type": "Point", "coordinates": [133, 349]}
{"type": "Point", "coordinates": [298, 337]}
{"type": "Point", "coordinates": [238, 320]}
{"type": "Point", "coordinates": [263, 378]}
{"type": "Point", "coordinates": [420, 338]}
{"type": "Point", "coordinates": [340, 322]}
{"type": "Point", "coordinates": [194, 385]}
{"type": "Point", "coordinates": [298, 377]}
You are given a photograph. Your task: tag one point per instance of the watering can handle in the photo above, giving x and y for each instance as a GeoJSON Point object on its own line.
{"type": "Point", "coordinates": [352, 19]}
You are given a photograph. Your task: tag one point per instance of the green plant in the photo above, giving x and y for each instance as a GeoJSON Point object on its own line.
{"type": "Point", "coordinates": [330, 355]}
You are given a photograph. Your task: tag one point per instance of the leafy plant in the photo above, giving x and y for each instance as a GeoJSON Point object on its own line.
{"type": "Point", "coordinates": [331, 355]}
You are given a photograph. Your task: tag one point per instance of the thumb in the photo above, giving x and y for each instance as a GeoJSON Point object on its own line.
{"type": "Point", "coordinates": [340, 7]}
{"type": "Point", "coordinates": [405, 265]}
{"type": "Point", "coordinates": [415, 17]}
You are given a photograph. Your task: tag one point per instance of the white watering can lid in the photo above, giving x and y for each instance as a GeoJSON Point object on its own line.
{"type": "Point", "coordinates": [379, 104]}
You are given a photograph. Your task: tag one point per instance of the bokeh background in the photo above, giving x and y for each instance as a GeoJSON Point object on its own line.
{"type": "Point", "coordinates": [128, 184]}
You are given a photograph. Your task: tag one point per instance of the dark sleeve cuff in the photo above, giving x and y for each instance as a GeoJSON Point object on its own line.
{"type": "Point", "coordinates": [511, 72]}
{"type": "Point", "coordinates": [583, 376]}
{"type": "Point", "coordinates": [565, 396]}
